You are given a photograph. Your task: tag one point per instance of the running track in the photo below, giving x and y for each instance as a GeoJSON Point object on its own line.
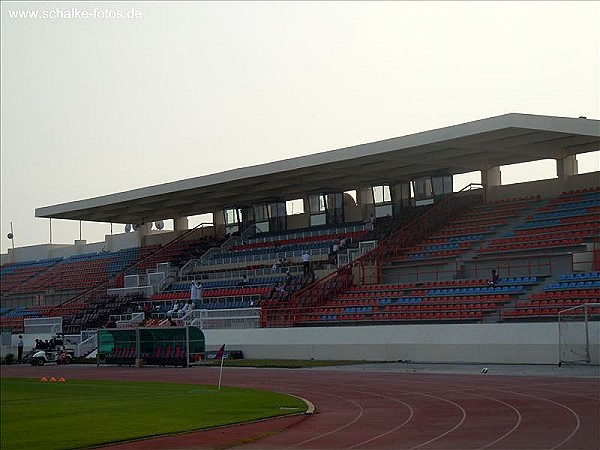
{"type": "Point", "coordinates": [385, 410]}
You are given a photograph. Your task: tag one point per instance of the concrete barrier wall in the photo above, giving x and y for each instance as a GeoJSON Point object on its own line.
{"type": "Point", "coordinates": [477, 343]}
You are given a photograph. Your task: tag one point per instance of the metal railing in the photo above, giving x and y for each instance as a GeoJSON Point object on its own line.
{"type": "Point", "coordinates": [87, 345]}
{"type": "Point", "coordinates": [237, 318]}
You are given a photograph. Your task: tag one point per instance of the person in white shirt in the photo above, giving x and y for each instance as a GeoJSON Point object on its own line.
{"type": "Point", "coordinates": [174, 309]}
{"type": "Point", "coordinates": [183, 311]}
{"type": "Point", "coordinates": [306, 262]}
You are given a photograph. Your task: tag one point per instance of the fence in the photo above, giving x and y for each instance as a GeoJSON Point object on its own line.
{"type": "Point", "coordinates": [238, 318]}
{"type": "Point", "coordinates": [43, 325]}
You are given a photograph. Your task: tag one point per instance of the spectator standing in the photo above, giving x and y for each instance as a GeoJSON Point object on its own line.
{"type": "Point", "coordinates": [371, 223]}
{"type": "Point", "coordinates": [20, 345]}
{"type": "Point", "coordinates": [306, 262]}
{"type": "Point", "coordinates": [335, 248]}
{"type": "Point", "coordinates": [196, 292]}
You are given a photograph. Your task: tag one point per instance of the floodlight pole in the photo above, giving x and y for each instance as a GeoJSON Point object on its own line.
{"type": "Point", "coordinates": [51, 230]}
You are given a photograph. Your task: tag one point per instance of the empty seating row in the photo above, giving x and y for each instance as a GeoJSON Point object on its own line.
{"type": "Point", "coordinates": [454, 239]}
{"type": "Point", "coordinates": [536, 237]}
{"type": "Point", "coordinates": [547, 223]}
{"type": "Point", "coordinates": [583, 293]}
{"type": "Point", "coordinates": [333, 237]}
{"type": "Point", "coordinates": [554, 243]}
{"type": "Point", "coordinates": [231, 282]}
{"type": "Point", "coordinates": [579, 276]}
{"type": "Point", "coordinates": [592, 284]}
{"type": "Point", "coordinates": [514, 289]}
{"type": "Point", "coordinates": [573, 204]}
{"type": "Point", "coordinates": [560, 302]}
{"type": "Point", "coordinates": [434, 255]}
{"type": "Point", "coordinates": [477, 230]}
{"type": "Point", "coordinates": [428, 248]}
{"type": "Point", "coordinates": [500, 298]}
{"type": "Point", "coordinates": [550, 312]}
{"type": "Point", "coordinates": [347, 230]}
{"type": "Point", "coordinates": [568, 228]}
{"type": "Point", "coordinates": [207, 293]}
{"type": "Point", "coordinates": [396, 317]}
{"type": "Point", "coordinates": [514, 200]}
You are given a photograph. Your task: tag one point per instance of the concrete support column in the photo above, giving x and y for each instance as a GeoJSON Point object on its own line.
{"type": "Point", "coordinates": [144, 229]}
{"type": "Point", "coordinates": [180, 224]}
{"type": "Point", "coordinates": [491, 177]}
{"type": "Point", "coordinates": [218, 217]}
{"type": "Point", "coordinates": [364, 199]}
{"type": "Point", "coordinates": [565, 167]}
{"type": "Point", "coordinates": [400, 196]}
{"type": "Point", "coordinates": [219, 222]}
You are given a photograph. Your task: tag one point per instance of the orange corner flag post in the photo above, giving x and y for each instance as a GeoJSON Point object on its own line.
{"type": "Point", "coordinates": [220, 354]}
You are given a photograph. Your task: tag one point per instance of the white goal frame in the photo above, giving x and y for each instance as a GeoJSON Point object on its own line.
{"type": "Point", "coordinates": [574, 350]}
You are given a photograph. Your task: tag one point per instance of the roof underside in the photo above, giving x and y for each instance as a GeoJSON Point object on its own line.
{"type": "Point", "coordinates": [496, 141]}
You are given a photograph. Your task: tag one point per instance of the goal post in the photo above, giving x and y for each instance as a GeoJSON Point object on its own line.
{"type": "Point", "coordinates": [575, 342]}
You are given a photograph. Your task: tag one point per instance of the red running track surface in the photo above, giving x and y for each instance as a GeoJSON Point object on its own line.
{"type": "Point", "coordinates": [384, 410]}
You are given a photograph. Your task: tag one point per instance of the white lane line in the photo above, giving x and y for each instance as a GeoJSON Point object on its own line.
{"type": "Point", "coordinates": [339, 428]}
{"type": "Point", "coordinates": [556, 403]}
{"type": "Point", "coordinates": [396, 428]}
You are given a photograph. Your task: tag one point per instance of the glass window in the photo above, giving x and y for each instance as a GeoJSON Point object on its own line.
{"type": "Point", "coordinates": [318, 219]}
{"type": "Point", "coordinates": [233, 216]}
{"type": "Point", "coordinates": [423, 188]}
{"type": "Point", "coordinates": [381, 194]}
{"type": "Point", "coordinates": [317, 203]}
{"type": "Point", "coordinates": [294, 207]}
{"type": "Point", "coordinates": [260, 213]}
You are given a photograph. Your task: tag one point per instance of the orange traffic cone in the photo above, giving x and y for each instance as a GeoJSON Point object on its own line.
{"type": "Point", "coordinates": [52, 380]}
{"type": "Point", "coordinates": [43, 379]}
{"type": "Point", "coordinates": [61, 380]}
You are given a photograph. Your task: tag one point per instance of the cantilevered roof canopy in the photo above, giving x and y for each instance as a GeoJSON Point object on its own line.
{"type": "Point", "coordinates": [482, 144]}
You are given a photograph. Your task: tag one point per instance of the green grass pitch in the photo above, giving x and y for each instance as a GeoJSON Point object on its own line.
{"type": "Point", "coordinates": [76, 414]}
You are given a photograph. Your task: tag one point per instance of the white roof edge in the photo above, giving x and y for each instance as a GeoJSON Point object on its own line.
{"type": "Point", "coordinates": [590, 127]}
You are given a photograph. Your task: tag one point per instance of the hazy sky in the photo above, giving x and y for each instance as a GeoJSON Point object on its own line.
{"type": "Point", "coordinates": [98, 105]}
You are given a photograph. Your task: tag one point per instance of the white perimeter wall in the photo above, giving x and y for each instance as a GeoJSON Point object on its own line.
{"type": "Point", "coordinates": [484, 343]}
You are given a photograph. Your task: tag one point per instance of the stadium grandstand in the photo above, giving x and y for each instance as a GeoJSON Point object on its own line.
{"type": "Point", "coordinates": [381, 257]}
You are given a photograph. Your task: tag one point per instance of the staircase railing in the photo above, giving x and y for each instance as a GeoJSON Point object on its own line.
{"type": "Point", "coordinates": [87, 345]}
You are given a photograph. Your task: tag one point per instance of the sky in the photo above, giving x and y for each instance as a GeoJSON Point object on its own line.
{"type": "Point", "coordinates": [98, 105]}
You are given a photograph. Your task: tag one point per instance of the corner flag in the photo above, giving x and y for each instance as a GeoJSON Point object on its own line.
{"type": "Point", "coordinates": [220, 355]}
{"type": "Point", "coordinates": [220, 352]}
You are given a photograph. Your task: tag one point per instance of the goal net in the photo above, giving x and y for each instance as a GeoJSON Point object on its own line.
{"type": "Point", "coordinates": [574, 332]}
